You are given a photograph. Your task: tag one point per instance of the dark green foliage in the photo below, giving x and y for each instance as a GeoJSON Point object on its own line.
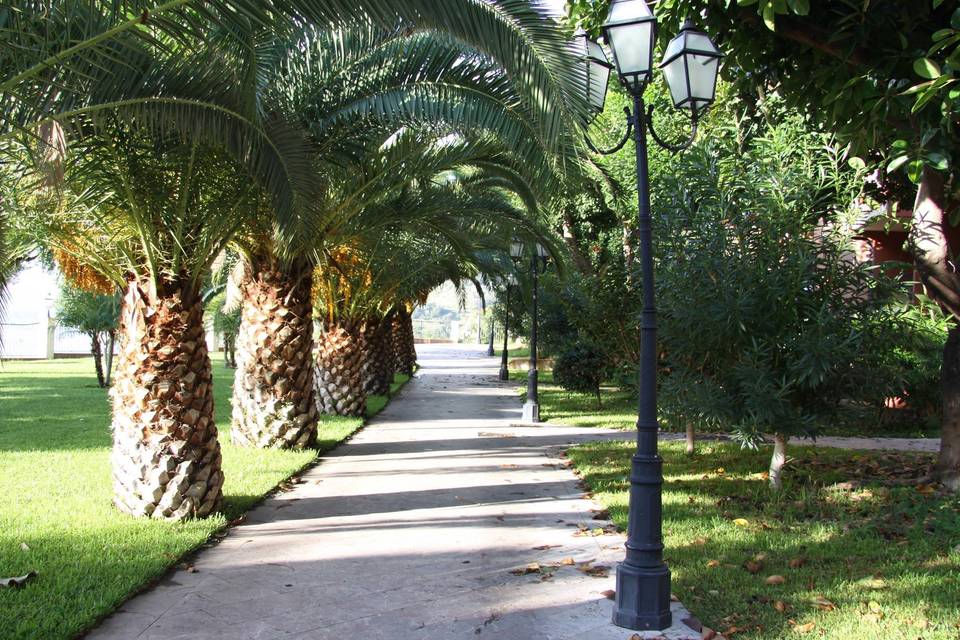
{"type": "Point", "coordinates": [97, 316]}
{"type": "Point", "coordinates": [769, 324]}
{"type": "Point", "coordinates": [581, 367]}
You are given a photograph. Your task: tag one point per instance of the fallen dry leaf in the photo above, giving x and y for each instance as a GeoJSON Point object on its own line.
{"type": "Point", "coordinates": [796, 563]}
{"type": "Point", "coordinates": [708, 634]}
{"type": "Point", "coordinates": [713, 564]}
{"type": "Point", "coordinates": [781, 606]}
{"type": "Point", "coordinates": [753, 566]}
{"type": "Point", "coordinates": [544, 547]}
{"type": "Point", "coordinates": [567, 562]}
{"type": "Point", "coordinates": [873, 583]}
{"type": "Point", "coordinates": [870, 617]}
{"type": "Point", "coordinates": [610, 594]}
{"type": "Point", "coordinates": [775, 579]}
{"type": "Point", "coordinates": [822, 603]}
{"type": "Point", "coordinates": [533, 567]}
{"type": "Point", "coordinates": [741, 522]}
{"type": "Point", "coordinates": [17, 581]}
{"type": "Point", "coordinates": [700, 541]}
{"type": "Point", "coordinates": [24, 546]}
{"type": "Point", "coordinates": [805, 628]}
{"type": "Point", "coordinates": [598, 571]}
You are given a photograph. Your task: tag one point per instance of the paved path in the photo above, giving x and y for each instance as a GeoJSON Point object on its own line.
{"type": "Point", "coordinates": [409, 531]}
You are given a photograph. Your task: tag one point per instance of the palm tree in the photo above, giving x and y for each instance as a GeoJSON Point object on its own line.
{"type": "Point", "coordinates": [159, 148]}
{"type": "Point", "coordinates": [359, 88]}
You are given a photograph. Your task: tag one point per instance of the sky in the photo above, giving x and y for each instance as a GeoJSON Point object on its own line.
{"type": "Point", "coordinates": [555, 5]}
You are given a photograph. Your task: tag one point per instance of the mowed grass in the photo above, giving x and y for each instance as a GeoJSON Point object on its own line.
{"type": "Point", "coordinates": [55, 512]}
{"type": "Point", "coordinates": [618, 410]}
{"type": "Point", "coordinates": [861, 556]}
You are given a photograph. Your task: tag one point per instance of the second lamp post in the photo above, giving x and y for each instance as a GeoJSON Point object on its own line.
{"type": "Point", "coordinates": [538, 266]}
{"type": "Point", "coordinates": [690, 65]}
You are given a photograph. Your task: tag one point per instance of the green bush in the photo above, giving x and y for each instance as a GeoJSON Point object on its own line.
{"type": "Point", "coordinates": [581, 367]}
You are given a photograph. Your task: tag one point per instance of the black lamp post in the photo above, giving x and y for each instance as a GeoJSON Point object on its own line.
{"type": "Point", "coordinates": [538, 266]}
{"type": "Point", "coordinates": [504, 369]}
{"type": "Point", "coordinates": [690, 66]}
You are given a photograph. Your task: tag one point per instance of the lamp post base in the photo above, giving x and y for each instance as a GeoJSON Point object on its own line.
{"type": "Point", "coordinates": [531, 412]}
{"type": "Point", "coordinates": [643, 598]}
{"type": "Point", "coordinates": [504, 373]}
{"type": "Point", "coordinates": [490, 351]}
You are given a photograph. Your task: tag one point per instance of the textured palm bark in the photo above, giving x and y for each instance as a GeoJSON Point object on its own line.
{"type": "Point", "coordinates": [404, 349]}
{"type": "Point", "coordinates": [948, 462]}
{"type": "Point", "coordinates": [339, 371]}
{"type": "Point", "coordinates": [274, 401]}
{"type": "Point", "coordinates": [166, 456]}
{"type": "Point", "coordinates": [377, 368]}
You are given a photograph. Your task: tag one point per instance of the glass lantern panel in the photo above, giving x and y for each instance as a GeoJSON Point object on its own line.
{"type": "Point", "coordinates": [676, 77]}
{"type": "Point", "coordinates": [631, 47]}
{"type": "Point", "coordinates": [673, 48]}
{"type": "Point", "coordinates": [516, 249]}
{"type": "Point", "coordinates": [703, 76]}
{"type": "Point", "coordinates": [628, 10]}
{"type": "Point", "coordinates": [541, 250]}
{"type": "Point", "coordinates": [599, 77]}
{"type": "Point", "coordinates": [700, 42]}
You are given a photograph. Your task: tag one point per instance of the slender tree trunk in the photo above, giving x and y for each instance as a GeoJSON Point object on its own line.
{"type": "Point", "coordinates": [97, 352]}
{"type": "Point", "coordinates": [691, 439]}
{"type": "Point", "coordinates": [166, 456]}
{"type": "Point", "coordinates": [111, 344]}
{"type": "Point", "coordinates": [931, 251]}
{"type": "Point", "coordinates": [778, 459]}
{"type": "Point", "coordinates": [274, 402]}
{"type": "Point", "coordinates": [948, 462]}
{"type": "Point", "coordinates": [339, 372]}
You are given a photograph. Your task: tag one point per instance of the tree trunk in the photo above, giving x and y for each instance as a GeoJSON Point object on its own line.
{"type": "Point", "coordinates": [404, 349]}
{"type": "Point", "coordinates": [97, 352]}
{"type": "Point", "coordinates": [339, 372]}
{"type": "Point", "coordinates": [111, 343]}
{"type": "Point", "coordinates": [948, 462]}
{"type": "Point", "coordinates": [166, 456]}
{"type": "Point", "coordinates": [777, 460]}
{"type": "Point", "coordinates": [931, 251]}
{"type": "Point", "coordinates": [377, 373]}
{"type": "Point", "coordinates": [691, 439]}
{"type": "Point", "coordinates": [274, 401]}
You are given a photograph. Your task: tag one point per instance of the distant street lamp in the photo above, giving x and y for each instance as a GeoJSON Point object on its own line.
{"type": "Point", "coordinates": [538, 266]}
{"type": "Point", "coordinates": [690, 64]}
{"type": "Point", "coordinates": [510, 281]}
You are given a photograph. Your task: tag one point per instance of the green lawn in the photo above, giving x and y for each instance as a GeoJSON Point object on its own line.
{"type": "Point", "coordinates": [619, 410]}
{"type": "Point", "coordinates": [55, 515]}
{"type": "Point", "coordinates": [868, 560]}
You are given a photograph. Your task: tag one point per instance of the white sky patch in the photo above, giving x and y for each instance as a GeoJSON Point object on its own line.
{"type": "Point", "coordinates": [555, 6]}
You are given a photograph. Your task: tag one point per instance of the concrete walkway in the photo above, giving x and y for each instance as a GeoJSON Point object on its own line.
{"type": "Point", "coordinates": [418, 528]}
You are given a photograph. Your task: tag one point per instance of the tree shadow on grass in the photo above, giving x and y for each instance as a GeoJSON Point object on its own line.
{"type": "Point", "coordinates": [878, 558]}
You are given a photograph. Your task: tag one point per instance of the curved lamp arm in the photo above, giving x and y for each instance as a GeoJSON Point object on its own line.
{"type": "Point", "coordinates": [673, 148]}
{"type": "Point", "coordinates": [619, 145]}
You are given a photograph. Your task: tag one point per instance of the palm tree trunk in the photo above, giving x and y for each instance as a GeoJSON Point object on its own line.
{"type": "Point", "coordinates": [166, 456]}
{"type": "Point", "coordinates": [339, 372]}
{"type": "Point", "coordinates": [405, 351]}
{"type": "Point", "coordinates": [377, 371]}
{"type": "Point", "coordinates": [274, 402]}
